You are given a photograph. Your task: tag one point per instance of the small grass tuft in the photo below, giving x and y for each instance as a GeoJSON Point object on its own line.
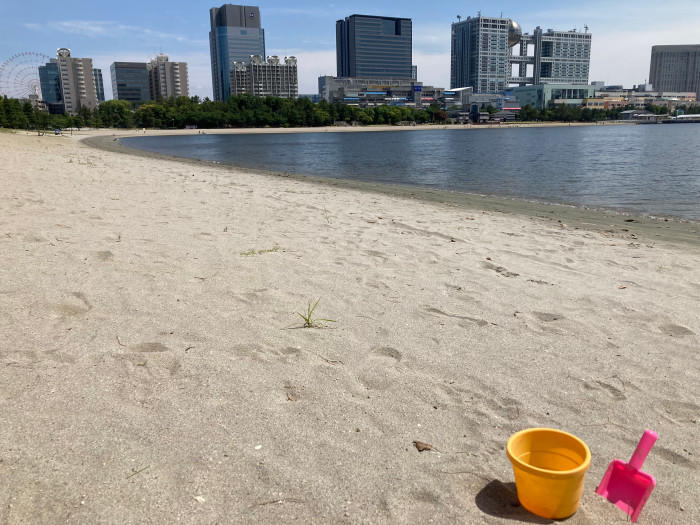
{"type": "Point", "coordinates": [326, 215]}
{"type": "Point", "coordinates": [309, 320]}
{"type": "Point", "coordinates": [250, 253]}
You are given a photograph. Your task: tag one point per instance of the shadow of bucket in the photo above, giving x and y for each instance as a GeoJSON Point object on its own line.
{"type": "Point", "coordinates": [549, 467]}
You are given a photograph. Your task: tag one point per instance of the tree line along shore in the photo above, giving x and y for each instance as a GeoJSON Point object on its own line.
{"type": "Point", "coordinates": [246, 111]}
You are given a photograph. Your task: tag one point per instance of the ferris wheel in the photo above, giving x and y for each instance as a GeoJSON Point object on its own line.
{"type": "Point", "coordinates": [19, 74]}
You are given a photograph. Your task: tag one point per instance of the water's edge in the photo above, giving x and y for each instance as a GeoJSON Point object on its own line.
{"type": "Point", "coordinates": [618, 223]}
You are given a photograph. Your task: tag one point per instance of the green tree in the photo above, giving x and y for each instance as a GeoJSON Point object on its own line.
{"type": "Point", "coordinates": [14, 116]}
{"type": "Point", "coordinates": [529, 114]}
{"type": "Point", "coordinates": [42, 120]}
{"type": "Point", "coordinates": [656, 110]}
{"type": "Point", "coordinates": [116, 114]}
{"type": "Point", "coordinates": [241, 111]}
{"type": "Point", "coordinates": [87, 116]}
{"type": "Point", "coordinates": [436, 115]}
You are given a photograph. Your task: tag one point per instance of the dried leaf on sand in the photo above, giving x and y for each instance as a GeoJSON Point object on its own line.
{"type": "Point", "coordinates": [422, 447]}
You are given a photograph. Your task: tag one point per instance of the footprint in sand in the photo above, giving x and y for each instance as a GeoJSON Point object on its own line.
{"type": "Point", "coordinates": [471, 320]}
{"type": "Point", "coordinates": [70, 310]}
{"type": "Point", "coordinates": [73, 308]}
{"type": "Point", "coordinates": [500, 270]}
{"type": "Point", "coordinates": [547, 317]}
{"type": "Point", "coordinates": [34, 238]}
{"type": "Point", "coordinates": [268, 354]}
{"type": "Point", "coordinates": [674, 457]}
{"type": "Point", "coordinates": [290, 351]}
{"type": "Point", "coordinates": [669, 455]}
{"type": "Point", "coordinates": [59, 357]}
{"type": "Point", "coordinates": [675, 330]}
{"type": "Point", "coordinates": [161, 359]}
{"type": "Point", "coordinates": [389, 352]}
{"type": "Point", "coordinates": [379, 371]}
{"type": "Point", "coordinates": [614, 392]}
{"type": "Point", "coordinates": [150, 347]}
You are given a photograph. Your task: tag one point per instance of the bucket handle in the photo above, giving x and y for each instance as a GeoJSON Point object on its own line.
{"type": "Point", "coordinates": [643, 448]}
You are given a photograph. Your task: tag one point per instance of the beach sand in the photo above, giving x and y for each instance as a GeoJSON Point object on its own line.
{"type": "Point", "coordinates": [154, 369]}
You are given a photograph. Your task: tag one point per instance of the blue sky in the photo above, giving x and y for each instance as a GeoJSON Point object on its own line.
{"type": "Point", "coordinates": [623, 32]}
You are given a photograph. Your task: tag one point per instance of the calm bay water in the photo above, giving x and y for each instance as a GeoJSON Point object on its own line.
{"type": "Point", "coordinates": [653, 169]}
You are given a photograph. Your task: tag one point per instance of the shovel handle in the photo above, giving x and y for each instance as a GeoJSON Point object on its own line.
{"type": "Point", "coordinates": [643, 448]}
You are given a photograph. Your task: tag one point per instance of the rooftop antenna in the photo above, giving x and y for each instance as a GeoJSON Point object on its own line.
{"type": "Point", "coordinates": [586, 28]}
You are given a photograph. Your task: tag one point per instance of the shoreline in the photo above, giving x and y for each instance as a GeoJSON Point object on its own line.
{"type": "Point", "coordinates": [366, 129]}
{"type": "Point", "coordinates": [625, 223]}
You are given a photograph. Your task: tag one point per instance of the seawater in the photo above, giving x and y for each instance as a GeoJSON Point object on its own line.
{"type": "Point", "coordinates": [645, 169]}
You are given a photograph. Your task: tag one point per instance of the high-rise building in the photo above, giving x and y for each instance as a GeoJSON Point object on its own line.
{"type": "Point", "coordinates": [260, 78]}
{"type": "Point", "coordinates": [236, 34]}
{"type": "Point", "coordinates": [374, 47]}
{"type": "Point", "coordinates": [130, 82]}
{"type": "Point", "coordinates": [99, 85]}
{"type": "Point", "coordinates": [50, 81]}
{"type": "Point", "coordinates": [482, 55]}
{"type": "Point", "coordinates": [559, 57]}
{"type": "Point", "coordinates": [77, 82]}
{"type": "Point", "coordinates": [675, 68]}
{"type": "Point", "coordinates": [167, 79]}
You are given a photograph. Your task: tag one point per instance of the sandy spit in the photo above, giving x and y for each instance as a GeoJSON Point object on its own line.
{"type": "Point", "coordinates": [154, 369]}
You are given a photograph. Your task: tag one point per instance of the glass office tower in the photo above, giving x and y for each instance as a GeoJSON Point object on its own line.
{"type": "Point", "coordinates": [374, 47]}
{"type": "Point", "coordinates": [130, 82]}
{"type": "Point", "coordinates": [51, 93]}
{"type": "Point", "coordinates": [99, 84]}
{"type": "Point", "coordinates": [236, 34]}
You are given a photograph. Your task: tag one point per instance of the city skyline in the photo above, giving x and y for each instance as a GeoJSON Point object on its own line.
{"type": "Point", "coordinates": [307, 31]}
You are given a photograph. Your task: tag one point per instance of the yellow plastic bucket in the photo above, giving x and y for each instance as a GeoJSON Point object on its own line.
{"type": "Point", "coordinates": [549, 467]}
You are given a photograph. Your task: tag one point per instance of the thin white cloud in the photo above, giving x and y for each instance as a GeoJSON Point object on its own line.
{"type": "Point", "coordinates": [88, 28]}
{"type": "Point", "coordinates": [433, 38]}
{"type": "Point", "coordinates": [108, 29]}
{"type": "Point", "coordinates": [158, 35]}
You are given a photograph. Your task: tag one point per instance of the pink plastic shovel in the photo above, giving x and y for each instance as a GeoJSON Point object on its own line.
{"type": "Point", "coordinates": [624, 484]}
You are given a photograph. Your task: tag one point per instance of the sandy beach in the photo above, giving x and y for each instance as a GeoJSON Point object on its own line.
{"type": "Point", "coordinates": [154, 368]}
